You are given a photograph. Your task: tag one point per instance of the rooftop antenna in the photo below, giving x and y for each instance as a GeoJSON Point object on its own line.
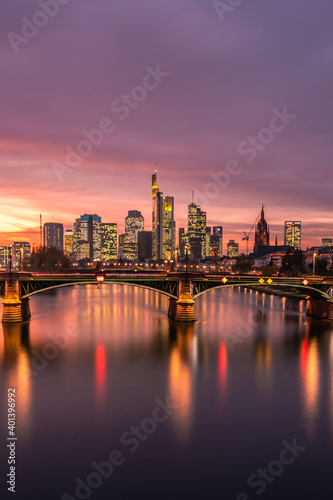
{"type": "Point", "coordinates": [40, 231]}
{"type": "Point", "coordinates": [192, 195]}
{"type": "Point", "coordinates": [156, 167]}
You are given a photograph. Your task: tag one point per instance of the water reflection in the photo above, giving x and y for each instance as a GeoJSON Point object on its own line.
{"type": "Point", "coordinates": [100, 372]}
{"type": "Point", "coordinates": [183, 362]}
{"type": "Point", "coordinates": [18, 375]}
{"type": "Point", "coordinates": [223, 366]}
{"type": "Point", "coordinates": [310, 375]}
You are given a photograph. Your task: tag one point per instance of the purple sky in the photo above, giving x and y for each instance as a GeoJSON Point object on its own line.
{"type": "Point", "coordinates": [224, 80]}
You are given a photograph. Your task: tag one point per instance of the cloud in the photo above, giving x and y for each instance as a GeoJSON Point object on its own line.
{"type": "Point", "coordinates": [225, 79]}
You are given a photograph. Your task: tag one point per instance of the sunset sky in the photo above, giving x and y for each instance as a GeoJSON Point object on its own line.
{"type": "Point", "coordinates": [223, 81]}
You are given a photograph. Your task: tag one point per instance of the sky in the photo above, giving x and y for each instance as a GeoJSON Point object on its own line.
{"type": "Point", "coordinates": [233, 99]}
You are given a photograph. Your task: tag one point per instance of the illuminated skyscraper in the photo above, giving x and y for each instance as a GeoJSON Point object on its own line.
{"type": "Point", "coordinates": [109, 241]}
{"type": "Point", "coordinates": [168, 228]}
{"type": "Point", "coordinates": [91, 233]}
{"type": "Point", "coordinates": [232, 249]}
{"type": "Point", "coordinates": [292, 234]}
{"type": "Point", "coordinates": [326, 242]}
{"type": "Point", "coordinates": [262, 233]}
{"type": "Point", "coordinates": [5, 251]}
{"type": "Point", "coordinates": [196, 230]}
{"type": "Point", "coordinates": [134, 223]}
{"type": "Point", "coordinates": [54, 235]}
{"type": "Point", "coordinates": [217, 239]}
{"type": "Point", "coordinates": [21, 250]}
{"type": "Point", "coordinates": [69, 242]}
{"type": "Point", "coordinates": [163, 223]}
{"type": "Point", "coordinates": [208, 252]}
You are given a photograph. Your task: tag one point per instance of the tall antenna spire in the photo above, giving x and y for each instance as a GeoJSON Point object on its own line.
{"type": "Point", "coordinates": [40, 230]}
{"type": "Point", "coordinates": [192, 195]}
{"type": "Point", "coordinates": [156, 167]}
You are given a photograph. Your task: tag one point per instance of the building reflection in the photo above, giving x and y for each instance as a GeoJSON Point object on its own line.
{"type": "Point", "coordinates": [183, 362]}
{"type": "Point", "coordinates": [17, 362]}
{"type": "Point", "coordinates": [100, 372]}
{"type": "Point", "coordinates": [263, 350]}
{"type": "Point", "coordinates": [310, 380]}
{"type": "Point", "coordinates": [223, 366]}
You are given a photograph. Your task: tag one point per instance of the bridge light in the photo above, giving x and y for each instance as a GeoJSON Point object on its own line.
{"type": "Point", "coordinates": [306, 282]}
{"type": "Point", "coordinates": [224, 280]}
{"type": "Point", "coordinates": [100, 278]}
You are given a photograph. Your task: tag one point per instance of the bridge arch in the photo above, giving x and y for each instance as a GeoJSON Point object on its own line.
{"type": "Point", "coordinates": [62, 285]}
{"type": "Point", "coordinates": [309, 291]}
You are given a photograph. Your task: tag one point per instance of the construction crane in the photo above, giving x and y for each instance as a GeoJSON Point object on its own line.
{"type": "Point", "coordinates": [248, 234]}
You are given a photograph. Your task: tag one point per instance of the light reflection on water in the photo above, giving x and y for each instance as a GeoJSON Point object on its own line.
{"type": "Point", "coordinates": [249, 358]}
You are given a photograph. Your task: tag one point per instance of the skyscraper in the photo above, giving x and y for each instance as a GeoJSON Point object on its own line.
{"type": "Point", "coordinates": [21, 250]}
{"type": "Point", "coordinates": [134, 223]}
{"type": "Point", "coordinates": [168, 228]}
{"type": "Point", "coordinates": [144, 244]}
{"type": "Point", "coordinates": [196, 230]}
{"type": "Point", "coordinates": [292, 234]}
{"type": "Point", "coordinates": [69, 242]}
{"type": "Point", "coordinates": [109, 241]}
{"type": "Point", "coordinates": [181, 240]}
{"type": "Point", "coordinates": [163, 223]}
{"type": "Point", "coordinates": [91, 233]}
{"type": "Point", "coordinates": [326, 242]}
{"type": "Point", "coordinates": [54, 235]}
{"type": "Point", "coordinates": [232, 249]}
{"type": "Point", "coordinates": [217, 239]}
{"type": "Point", "coordinates": [262, 233]}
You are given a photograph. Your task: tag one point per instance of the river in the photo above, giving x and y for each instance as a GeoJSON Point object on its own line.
{"type": "Point", "coordinates": [114, 401]}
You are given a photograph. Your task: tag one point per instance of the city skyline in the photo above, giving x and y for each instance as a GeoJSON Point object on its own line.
{"type": "Point", "coordinates": [33, 237]}
{"type": "Point", "coordinates": [205, 104]}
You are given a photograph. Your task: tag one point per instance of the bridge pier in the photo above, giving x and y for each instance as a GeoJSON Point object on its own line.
{"type": "Point", "coordinates": [12, 305]}
{"type": "Point", "coordinates": [26, 311]}
{"type": "Point", "coordinates": [182, 309]}
{"type": "Point", "coordinates": [319, 308]}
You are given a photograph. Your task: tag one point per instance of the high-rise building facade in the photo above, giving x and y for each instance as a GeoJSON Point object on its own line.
{"type": "Point", "coordinates": [232, 249]}
{"type": "Point", "coordinates": [216, 240]}
{"type": "Point", "coordinates": [292, 234]}
{"type": "Point", "coordinates": [262, 232]}
{"type": "Point", "coordinates": [109, 241]}
{"type": "Point", "coordinates": [326, 242]}
{"type": "Point", "coordinates": [5, 252]}
{"type": "Point", "coordinates": [163, 223]}
{"type": "Point", "coordinates": [168, 228]}
{"type": "Point", "coordinates": [208, 250]}
{"type": "Point", "coordinates": [196, 230]}
{"type": "Point", "coordinates": [145, 244]}
{"type": "Point", "coordinates": [134, 223]}
{"type": "Point", "coordinates": [181, 241]}
{"type": "Point", "coordinates": [54, 235]}
{"type": "Point", "coordinates": [69, 242]}
{"type": "Point", "coordinates": [21, 250]}
{"type": "Point", "coordinates": [90, 229]}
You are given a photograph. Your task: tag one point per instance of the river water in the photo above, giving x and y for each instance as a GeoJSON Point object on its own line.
{"type": "Point", "coordinates": [114, 401]}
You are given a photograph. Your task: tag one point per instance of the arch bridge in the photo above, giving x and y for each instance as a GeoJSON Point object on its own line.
{"type": "Point", "coordinates": [182, 288]}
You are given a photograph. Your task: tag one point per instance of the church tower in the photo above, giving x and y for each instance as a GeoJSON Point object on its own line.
{"type": "Point", "coordinates": [262, 232]}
